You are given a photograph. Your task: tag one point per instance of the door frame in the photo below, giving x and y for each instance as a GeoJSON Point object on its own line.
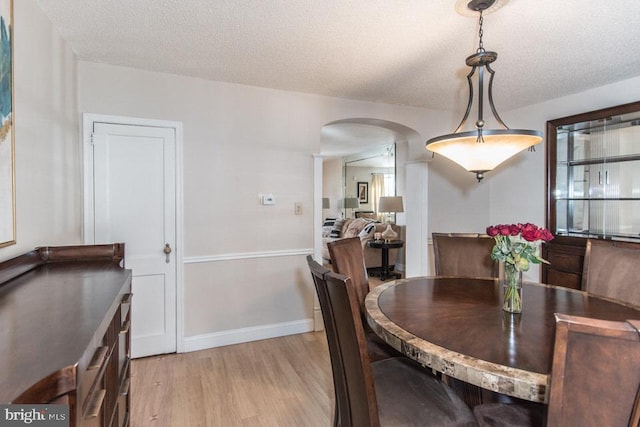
{"type": "Point", "coordinates": [88, 119]}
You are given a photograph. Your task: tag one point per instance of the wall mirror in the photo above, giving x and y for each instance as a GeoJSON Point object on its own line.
{"type": "Point", "coordinates": [367, 176]}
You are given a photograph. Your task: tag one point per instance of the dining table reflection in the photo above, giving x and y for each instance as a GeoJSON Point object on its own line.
{"type": "Point", "coordinates": [457, 326]}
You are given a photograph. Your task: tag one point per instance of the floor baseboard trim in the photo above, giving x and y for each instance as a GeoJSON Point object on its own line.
{"type": "Point", "coordinates": [239, 336]}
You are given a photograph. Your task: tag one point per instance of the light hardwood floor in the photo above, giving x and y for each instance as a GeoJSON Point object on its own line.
{"type": "Point", "coordinates": [278, 382]}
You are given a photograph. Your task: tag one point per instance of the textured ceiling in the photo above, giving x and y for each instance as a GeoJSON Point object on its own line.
{"type": "Point", "coordinates": [408, 52]}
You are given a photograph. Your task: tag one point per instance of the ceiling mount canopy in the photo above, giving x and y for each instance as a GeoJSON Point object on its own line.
{"type": "Point", "coordinates": [481, 150]}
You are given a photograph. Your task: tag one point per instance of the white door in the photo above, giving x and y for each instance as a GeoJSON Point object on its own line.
{"type": "Point", "coordinates": [134, 201]}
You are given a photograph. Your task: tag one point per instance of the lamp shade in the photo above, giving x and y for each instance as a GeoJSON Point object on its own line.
{"type": "Point", "coordinates": [498, 145]}
{"type": "Point", "coordinates": [351, 202]}
{"type": "Point", "coordinates": [325, 203]}
{"type": "Point", "coordinates": [391, 204]}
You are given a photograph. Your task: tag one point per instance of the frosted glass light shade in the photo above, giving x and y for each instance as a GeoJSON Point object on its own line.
{"type": "Point", "coordinates": [499, 145]}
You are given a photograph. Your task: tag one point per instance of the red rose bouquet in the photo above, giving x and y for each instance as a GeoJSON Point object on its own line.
{"type": "Point", "coordinates": [515, 244]}
{"type": "Point", "coordinates": [516, 247]}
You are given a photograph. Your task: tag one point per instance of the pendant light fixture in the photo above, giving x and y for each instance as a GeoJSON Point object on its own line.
{"type": "Point", "coordinates": [481, 150]}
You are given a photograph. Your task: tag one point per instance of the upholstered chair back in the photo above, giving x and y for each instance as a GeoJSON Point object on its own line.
{"type": "Point", "coordinates": [347, 259]}
{"type": "Point", "coordinates": [463, 254]}
{"type": "Point", "coordinates": [612, 270]}
{"type": "Point", "coordinates": [595, 376]}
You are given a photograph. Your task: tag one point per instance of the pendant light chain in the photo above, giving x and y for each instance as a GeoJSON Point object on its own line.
{"type": "Point", "coordinates": [481, 21]}
{"type": "Point", "coordinates": [480, 121]}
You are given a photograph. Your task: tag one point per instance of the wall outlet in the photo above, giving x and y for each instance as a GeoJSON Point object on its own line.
{"type": "Point", "coordinates": [298, 208]}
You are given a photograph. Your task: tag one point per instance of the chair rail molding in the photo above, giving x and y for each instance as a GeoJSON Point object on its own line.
{"type": "Point", "coordinates": [247, 255]}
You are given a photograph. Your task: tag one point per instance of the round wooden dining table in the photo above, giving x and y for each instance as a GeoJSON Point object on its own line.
{"type": "Point", "coordinates": [456, 326]}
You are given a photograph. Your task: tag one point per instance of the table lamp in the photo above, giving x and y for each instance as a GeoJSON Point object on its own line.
{"type": "Point", "coordinates": [390, 205]}
{"type": "Point", "coordinates": [351, 203]}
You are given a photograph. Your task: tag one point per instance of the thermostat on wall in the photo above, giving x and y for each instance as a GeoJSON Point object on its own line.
{"type": "Point", "coordinates": [268, 199]}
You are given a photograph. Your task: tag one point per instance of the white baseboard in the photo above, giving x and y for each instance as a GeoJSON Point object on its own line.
{"type": "Point", "coordinates": [238, 336]}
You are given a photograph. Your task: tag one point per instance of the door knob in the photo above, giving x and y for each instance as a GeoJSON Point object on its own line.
{"type": "Point", "coordinates": [167, 250]}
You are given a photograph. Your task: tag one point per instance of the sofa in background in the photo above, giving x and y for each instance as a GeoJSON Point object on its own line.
{"type": "Point", "coordinates": [365, 229]}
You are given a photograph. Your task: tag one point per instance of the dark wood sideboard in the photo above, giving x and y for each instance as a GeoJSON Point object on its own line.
{"type": "Point", "coordinates": [65, 331]}
{"type": "Point", "coordinates": [566, 262]}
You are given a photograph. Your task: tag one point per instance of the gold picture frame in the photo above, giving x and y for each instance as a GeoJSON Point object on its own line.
{"type": "Point", "coordinates": [7, 128]}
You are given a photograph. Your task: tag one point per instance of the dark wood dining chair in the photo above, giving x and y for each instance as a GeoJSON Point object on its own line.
{"type": "Point", "coordinates": [347, 259]}
{"type": "Point", "coordinates": [393, 391]}
{"type": "Point", "coordinates": [463, 254]}
{"type": "Point", "coordinates": [612, 270]}
{"type": "Point", "coordinates": [595, 378]}
{"type": "Point", "coordinates": [318, 274]}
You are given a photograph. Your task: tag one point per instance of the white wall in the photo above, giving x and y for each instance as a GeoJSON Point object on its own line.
{"type": "Point", "coordinates": [47, 148]}
{"type": "Point", "coordinates": [245, 273]}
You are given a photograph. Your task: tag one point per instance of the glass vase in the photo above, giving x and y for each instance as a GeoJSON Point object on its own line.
{"type": "Point", "coordinates": [512, 289]}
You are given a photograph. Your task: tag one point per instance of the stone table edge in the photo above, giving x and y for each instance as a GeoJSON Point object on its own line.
{"type": "Point", "coordinates": [492, 376]}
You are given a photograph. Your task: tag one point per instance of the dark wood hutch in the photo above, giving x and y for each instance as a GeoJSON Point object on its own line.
{"type": "Point", "coordinates": [65, 331]}
{"type": "Point", "coordinates": [592, 188]}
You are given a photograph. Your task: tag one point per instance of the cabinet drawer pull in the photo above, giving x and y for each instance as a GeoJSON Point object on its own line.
{"type": "Point", "coordinates": [98, 358]}
{"type": "Point", "coordinates": [126, 298]}
{"type": "Point", "coordinates": [93, 410]}
{"type": "Point", "coordinates": [124, 390]}
{"type": "Point", "coordinates": [125, 327]}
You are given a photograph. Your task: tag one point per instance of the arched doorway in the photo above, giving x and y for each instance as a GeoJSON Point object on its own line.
{"type": "Point", "coordinates": [347, 136]}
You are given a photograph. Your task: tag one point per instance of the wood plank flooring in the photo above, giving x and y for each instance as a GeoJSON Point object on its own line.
{"type": "Point", "coordinates": [278, 382]}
